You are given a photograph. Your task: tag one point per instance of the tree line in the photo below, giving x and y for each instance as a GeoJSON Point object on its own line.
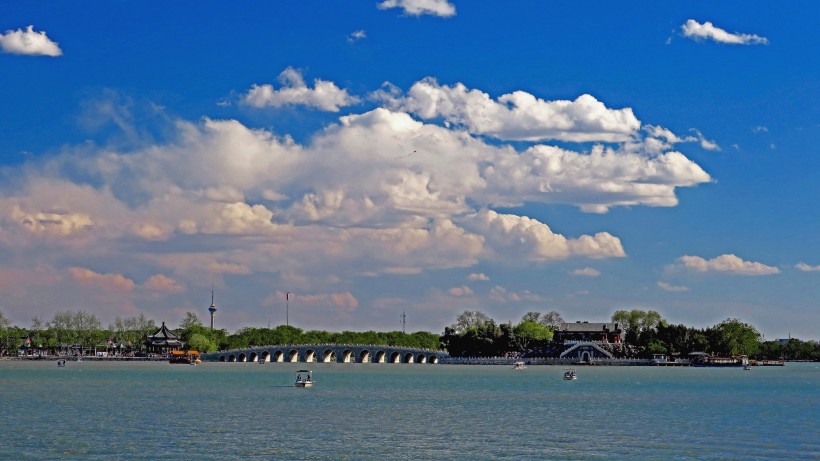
{"type": "Point", "coordinates": [474, 334]}
{"type": "Point", "coordinates": [68, 331]}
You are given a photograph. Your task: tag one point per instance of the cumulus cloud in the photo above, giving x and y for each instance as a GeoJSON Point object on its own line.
{"type": "Point", "coordinates": [525, 239]}
{"type": "Point", "coordinates": [380, 192]}
{"type": "Point", "coordinates": [442, 8]}
{"type": "Point", "coordinates": [672, 288]}
{"type": "Point", "coordinates": [707, 31]}
{"type": "Point", "coordinates": [807, 268]}
{"type": "Point", "coordinates": [160, 282]}
{"type": "Point", "coordinates": [727, 263]}
{"type": "Point", "coordinates": [294, 91]}
{"type": "Point", "coordinates": [107, 282]}
{"type": "Point", "coordinates": [478, 277]}
{"type": "Point", "coordinates": [29, 42]}
{"type": "Point", "coordinates": [518, 115]}
{"type": "Point", "coordinates": [587, 272]}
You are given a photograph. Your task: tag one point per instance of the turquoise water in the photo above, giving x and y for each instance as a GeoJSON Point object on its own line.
{"type": "Point", "coordinates": [142, 411]}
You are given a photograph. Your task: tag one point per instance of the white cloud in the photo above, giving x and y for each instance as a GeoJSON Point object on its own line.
{"type": "Point", "coordinates": [672, 288]}
{"type": "Point", "coordinates": [460, 291]}
{"type": "Point", "coordinates": [478, 277]}
{"type": "Point", "coordinates": [255, 205]}
{"type": "Point", "coordinates": [694, 30]}
{"type": "Point", "coordinates": [587, 272]}
{"type": "Point", "coordinates": [107, 282]}
{"type": "Point", "coordinates": [705, 143]}
{"type": "Point", "coordinates": [760, 129]}
{"type": "Point", "coordinates": [357, 35]}
{"type": "Point", "coordinates": [519, 238]}
{"type": "Point", "coordinates": [727, 263]}
{"type": "Point", "coordinates": [294, 91]}
{"type": "Point", "coordinates": [160, 282]}
{"type": "Point", "coordinates": [502, 295]}
{"type": "Point", "coordinates": [807, 268]}
{"type": "Point", "coordinates": [442, 8]}
{"type": "Point", "coordinates": [29, 42]}
{"type": "Point", "coordinates": [518, 115]}
{"type": "Point", "coordinates": [595, 181]}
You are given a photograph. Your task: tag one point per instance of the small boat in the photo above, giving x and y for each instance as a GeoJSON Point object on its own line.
{"type": "Point", "coordinates": [747, 367]}
{"type": "Point", "coordinates": [261, 361]}
{"type": "Point", "coordinates": [304, 381]}
{"type": "Point", "coordinates": [569, 374]}
{"type": "Point", "coordinates": [61, 363]}
{"type": "Point", "coordinates": [519, 366]}
{"type": "Point", "coordinates": [190, 357]}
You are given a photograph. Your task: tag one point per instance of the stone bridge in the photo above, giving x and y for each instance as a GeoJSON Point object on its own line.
{"type": "Point", "coordinates": [327, 353]}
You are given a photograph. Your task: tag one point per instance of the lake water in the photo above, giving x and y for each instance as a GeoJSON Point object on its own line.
{"type": "Point", "coordinates": [215, 411]}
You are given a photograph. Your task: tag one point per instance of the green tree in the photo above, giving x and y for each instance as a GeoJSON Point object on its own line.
{"type": "Point", "coordinates": [201, 343]}
{"type": "Point", "coordinates": [531, 334]}
{"type": "Point", "coordinates": [733, 337]}
{"type": "Point", "coordinates": [637, 323]}
{"type": "Point", "coordinates": [468, 319]}
{"type": "Point", "coordinates": [189, 321]}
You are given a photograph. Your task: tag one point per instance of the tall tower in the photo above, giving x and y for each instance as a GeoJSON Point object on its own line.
{"type": "Point", "coordinates": [212, 309]}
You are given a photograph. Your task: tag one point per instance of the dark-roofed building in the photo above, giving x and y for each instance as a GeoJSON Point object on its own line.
{"type": "Point", "coordinates": [570, 333]}
{"type": "Point", "coordinates": [163, 341]}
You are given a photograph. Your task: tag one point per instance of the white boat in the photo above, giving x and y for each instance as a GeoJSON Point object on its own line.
{"type": "Point", "coordinates": [304, 381]}
{"type": "Point", "coordinates": [747, 367]}
{"type": "Point", "coordinates": [569, 374]}
{"type": "Point", "coordinates": [519, 366]}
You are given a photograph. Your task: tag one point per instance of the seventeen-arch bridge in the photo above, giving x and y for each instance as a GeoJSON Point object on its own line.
{"type": "Point", "coordinates": [327, 353]}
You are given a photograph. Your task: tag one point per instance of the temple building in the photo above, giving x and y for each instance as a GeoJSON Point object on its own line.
{"type": "Point", "coordinates": [163, 341]}
{"type": "Point", "coordinates": [589, 332]}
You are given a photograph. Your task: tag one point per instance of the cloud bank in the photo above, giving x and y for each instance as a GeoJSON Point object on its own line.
{"type": "Point", "coordinates": [390, 191]}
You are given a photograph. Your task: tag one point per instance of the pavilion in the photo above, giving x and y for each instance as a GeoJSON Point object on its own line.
{"type": "Point", "coordinates": [163, 341]}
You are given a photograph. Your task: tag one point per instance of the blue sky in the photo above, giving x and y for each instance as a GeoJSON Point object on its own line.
{"type": "Point", "coordinates": [424, 156]}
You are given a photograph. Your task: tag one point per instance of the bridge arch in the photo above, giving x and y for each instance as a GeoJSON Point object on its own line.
{"type": "Point", "coordinates": [328, 356]}
{"type": "Point", "coordinates": [381, 357]}
{"type": "Point", "coordinates": [395, 357]}
{"type": "Point", "coordinates": [310, 356]}
{"type": "Point", "coordinates": [242, 357]}
{"type": "Point", "coordinates": [278, 357]}
{"type": "Point", "coordinates": [364, 356]}
{"type": "Point", "coordinates": [433, 359]}
{"type": "Point", "coordinates": [421, 358]}
{"type": "Point", "coordinates": [293, 356]}
{"type": "Point", "coordinates": [265, 356]}
{"type": "Point", "coordinates": [232, 358]}
{"type": "Point", "coordinates": [221, 358]}
{"type": "Point", "coordinates": [408, 357]}
{"type": "Point", "coordinates": [347, 354]}
{"type": "Point", "coordinates": [252, 357]}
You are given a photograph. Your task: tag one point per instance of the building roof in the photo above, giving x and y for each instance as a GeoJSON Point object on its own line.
{"type": "Point", "coordinates": [585, 327]}
{"type": "Point", "coordinates": [164, 337]}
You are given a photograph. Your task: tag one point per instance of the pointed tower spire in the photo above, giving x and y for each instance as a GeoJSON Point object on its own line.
{"type": "Point", "coordinates": [212, 309]}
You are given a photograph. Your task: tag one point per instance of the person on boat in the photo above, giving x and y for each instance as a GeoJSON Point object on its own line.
{"type": "Point", "coordinates": [299, 377]}
{"type": "Point", "coordinates": [308, 378]}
